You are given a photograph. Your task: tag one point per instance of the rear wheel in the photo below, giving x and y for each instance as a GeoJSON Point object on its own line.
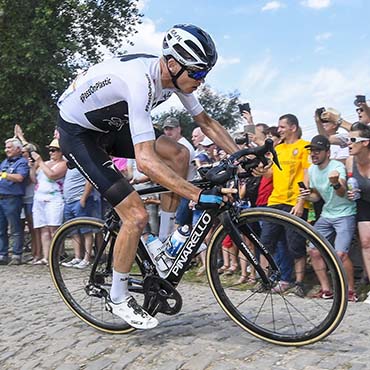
{"type": "Point", "coordinates": [280, 318]}
{"type": "Point", "coordinates": [83, 294]}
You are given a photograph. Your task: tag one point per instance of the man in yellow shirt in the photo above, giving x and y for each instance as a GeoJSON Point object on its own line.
{"type": "Point", "coordinates": [294, 161]}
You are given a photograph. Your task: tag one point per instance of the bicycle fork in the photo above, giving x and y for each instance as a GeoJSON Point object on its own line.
{"type": "Point", "coordinates": [232, 230]}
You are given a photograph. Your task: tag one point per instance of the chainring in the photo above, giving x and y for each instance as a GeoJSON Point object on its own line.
{"type": "Point", "coordinates": [161, 296]}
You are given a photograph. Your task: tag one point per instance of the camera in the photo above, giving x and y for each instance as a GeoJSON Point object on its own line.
{"type": "Point", "coordinates": [359, 99]}
{"type": "Point", "coordinates": [319, 112]}
{"type": "Point", "coordinates": [243, 107]}
{"type": "Point", "coordinates": [240, 140]}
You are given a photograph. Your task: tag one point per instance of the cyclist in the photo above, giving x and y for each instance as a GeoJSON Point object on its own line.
{"type": "Point", "coordinates": [106, 111]}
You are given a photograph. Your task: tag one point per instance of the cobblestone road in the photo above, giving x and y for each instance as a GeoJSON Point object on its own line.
{"type": "Point", "coordinates": [39, 332]}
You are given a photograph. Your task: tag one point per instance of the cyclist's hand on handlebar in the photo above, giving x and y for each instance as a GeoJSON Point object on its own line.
{"type": "Point", "coordinates": [210, 199]}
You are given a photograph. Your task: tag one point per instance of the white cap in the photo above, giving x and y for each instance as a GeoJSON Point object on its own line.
{"type": "Point", "coordinates": [206, 141]}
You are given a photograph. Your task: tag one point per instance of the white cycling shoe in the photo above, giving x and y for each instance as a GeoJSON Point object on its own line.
{"type": "Point", "coordinates": [130, 311]}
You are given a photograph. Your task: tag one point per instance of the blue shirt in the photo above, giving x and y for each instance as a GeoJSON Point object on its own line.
{"type": "Point", "coordinates": [335, 206]}
{"type": "Point", "coordinates": [15, 165]}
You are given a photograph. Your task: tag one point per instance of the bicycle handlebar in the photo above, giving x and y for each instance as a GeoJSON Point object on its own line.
{"type": "Point", "coordinates": [227, 168]}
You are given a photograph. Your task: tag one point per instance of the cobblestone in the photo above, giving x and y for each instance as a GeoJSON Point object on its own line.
{"type": "Point", "coordinates": [39, 332]}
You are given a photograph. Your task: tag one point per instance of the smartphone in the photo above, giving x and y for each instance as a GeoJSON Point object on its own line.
{"type": "Point", "coordinates": [301, 185]}
{"type": "Point", "coordinates": [251, 129]}
{"type": "Point", "coordinates": [243, 107]}
{"type": "Point", "coordinates": [30, 157]}
{"type": "Point", "coordinates": [359, 99]}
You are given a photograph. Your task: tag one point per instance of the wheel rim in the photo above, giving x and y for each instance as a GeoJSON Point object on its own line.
{"type": "Point", "coordinates": [280, 318]}
{"type": "Point", "coordinates": [85, 300]}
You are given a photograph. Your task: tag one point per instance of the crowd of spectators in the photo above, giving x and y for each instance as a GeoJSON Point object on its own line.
{"type": "Point", "coordinates": [37, 196]}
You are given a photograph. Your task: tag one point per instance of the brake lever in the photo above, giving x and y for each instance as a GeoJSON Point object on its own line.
{"type": "Point", "coordinates": [270, 146]}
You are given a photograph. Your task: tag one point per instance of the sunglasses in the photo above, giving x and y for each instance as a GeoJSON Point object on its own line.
{"type": "Point", "coordinates": [197, 74]}
{"type": "Point", "coordinates": [316, 151]}
{"type": "Point", "coordinates": [357, 139]}
{"type": "Point", "coordinates": [53, 150]}
{"type": "Point", "coordinates": [359, 110]}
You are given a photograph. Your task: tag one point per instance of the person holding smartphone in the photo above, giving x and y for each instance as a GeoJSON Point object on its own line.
{"type": "Point", "coordinates": [337, 222]}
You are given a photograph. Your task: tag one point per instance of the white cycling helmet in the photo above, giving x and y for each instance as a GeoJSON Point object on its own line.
{"type": "Point", "coordinates": [190, 46]}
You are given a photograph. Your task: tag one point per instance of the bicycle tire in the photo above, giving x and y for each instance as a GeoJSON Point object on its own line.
{"type": "Point", "coordinates": [72, 283]}
{"type": "Point", "coordinates": [271, 317]}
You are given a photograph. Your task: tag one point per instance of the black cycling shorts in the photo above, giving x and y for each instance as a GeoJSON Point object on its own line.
{"type": "Point", "coordinates": [90, 152]}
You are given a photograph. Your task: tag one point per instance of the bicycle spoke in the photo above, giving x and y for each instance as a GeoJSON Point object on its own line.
{"type": "Point", "coordinates": [279, 317]}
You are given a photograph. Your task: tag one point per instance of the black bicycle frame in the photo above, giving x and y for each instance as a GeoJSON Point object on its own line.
{"type": "Point", "coordinates": [196, 237]}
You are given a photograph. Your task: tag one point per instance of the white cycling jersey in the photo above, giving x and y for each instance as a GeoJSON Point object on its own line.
{"type": "Point", "coordinates": [118, 92]}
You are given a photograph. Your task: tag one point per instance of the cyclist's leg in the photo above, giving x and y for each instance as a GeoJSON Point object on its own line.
{"type": "Point", "coordinates": [82, 147]}
{"type": "Point", "coordinates": [176, 156]}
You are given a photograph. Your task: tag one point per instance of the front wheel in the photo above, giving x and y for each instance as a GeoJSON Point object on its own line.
{"type": "Point", "coordinates": [85, 292]}
{"type": "Point", "coordinates": [280, 317]}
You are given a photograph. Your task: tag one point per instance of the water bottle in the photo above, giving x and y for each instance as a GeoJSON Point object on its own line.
{"type": "Point", "coordinates": [156, 251]}
{"type": "Point", "coordinates": [176, 241]}
{"type": "Point", "coordinates": [352, 185]}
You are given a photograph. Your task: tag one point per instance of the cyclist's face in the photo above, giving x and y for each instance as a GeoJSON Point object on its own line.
{"type": "Point", "coordinates": [186, 83]}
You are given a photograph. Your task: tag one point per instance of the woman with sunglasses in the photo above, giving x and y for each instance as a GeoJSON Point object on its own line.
{"type": "Point", "coordinates": [48, 201]}
{"type": "Point", "coordinates": [358, 165]}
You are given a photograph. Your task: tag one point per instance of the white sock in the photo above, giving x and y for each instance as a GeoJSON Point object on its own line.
{"type": "Point", "coordinates": [167, 225]}
{"type": "Point", "coordinates": [119, 290]}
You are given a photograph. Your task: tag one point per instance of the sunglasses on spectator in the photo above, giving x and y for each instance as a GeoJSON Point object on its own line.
{"type": "Point", "coordinates": [359, 110]}
{"type": "Point", "coordinates": [315, 151]}
{"type": "Point", "coordinates": [53, 150]}
{"type": "Point", "coordinates": [357, 139]}
{"type": "Point", "coordinates": [197, 74]}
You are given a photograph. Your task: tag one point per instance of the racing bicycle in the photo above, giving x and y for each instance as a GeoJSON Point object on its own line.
{"type": "Point", "coordinates": [279, 318]}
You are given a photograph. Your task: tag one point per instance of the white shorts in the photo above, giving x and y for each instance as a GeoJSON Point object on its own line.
{"type": "Point", "coordinates": [47, 213]}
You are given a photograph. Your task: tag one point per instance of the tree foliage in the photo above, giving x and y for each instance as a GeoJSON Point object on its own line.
{"type": "Point", "coordinates": [42, 45]}
{"type": "Point", "coordinates": [222, 107]}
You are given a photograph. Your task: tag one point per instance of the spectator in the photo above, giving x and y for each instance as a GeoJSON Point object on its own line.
{"type": "Point", "coordinates": [283, 259]}
{"type": "Point", "coordinates": [210, 148]}
{"type": "Point", "coordinates": [183, 215]}
{"type": "Point", "coordinates": [293, 158]}
{"type": "Point", "coordinates": [256, 133]}
{"type": "Point", "coordinates": [196, 137]}
{"type": "Point", "coordinates": [48, 202]}
{"type": "Point", "coordinates": [14, 172]}
{"type": "Point", "coordinates": [78, 202]}
{"type": "Point", "coordinates": [358, 165]}
{"type": "Point", "coordinates": [327, 181]}
{"type": "Point", "coordinates": [363, 111]}
{"type": "Point", "coordinates": [28, 197]}
{"type": "Point", "coordinates": [27, 206]}
{"type": "Point", "coordinates": [328, 124]}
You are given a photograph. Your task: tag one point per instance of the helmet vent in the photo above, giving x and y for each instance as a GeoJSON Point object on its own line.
{"type": "Point", "coordinates": [196, 50]}
{"type": "Point", "coordinates": [184, 54]}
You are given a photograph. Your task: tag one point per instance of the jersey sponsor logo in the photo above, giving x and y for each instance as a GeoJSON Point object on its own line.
{"type": "Point", "coordinates": [116, 122]}
{"type": "Point", "coordinates": [150, 93]}
{"type": "Point", "coordinates": [94, 88]}
{"type": "Point", "coordinates": [191, 244]}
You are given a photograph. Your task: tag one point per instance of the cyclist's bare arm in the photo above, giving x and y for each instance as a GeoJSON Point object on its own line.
{"type": "Point", "coordinates": [216, 132]}
{"type": "Point", "coordinates": [151, 165]}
